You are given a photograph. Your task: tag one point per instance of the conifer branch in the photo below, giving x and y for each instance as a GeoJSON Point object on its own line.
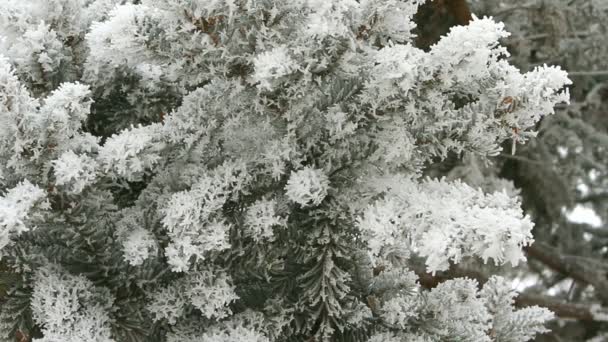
{"type": "Point", "coordinates": [561, 308]}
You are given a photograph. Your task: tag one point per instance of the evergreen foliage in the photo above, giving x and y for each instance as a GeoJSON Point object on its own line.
{"type": "Point", "coordinates": [565, 167]}
{"type": "Point", "coordinates": [238, 170]}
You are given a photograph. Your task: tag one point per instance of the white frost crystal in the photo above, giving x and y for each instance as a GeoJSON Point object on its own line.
{"type": "Point", "coordinates": [210, 291]}
{"type": "Point", "coordinates": [131, 152]}
{"type": "Point", "coordinates": [15, 206]}
{"type": "Point", "coordinates": [70, 308]}
{"type": "Point", "coordinates": [73, 171]}
{"type": "Point", "coordinates": [271, 65]}
{"type": "Point", "coordinates": [190, 216]}
{"type": "Point", "coordinates": [226, 156]}
{"type": "Point", "coordinates": [446, 221]}
{"type": "Point", "coordinates": [138, 245]}
{"type": "Point", "coordinates": [307, 186]}
{"type": "Point", "coordinates": [260, 220]}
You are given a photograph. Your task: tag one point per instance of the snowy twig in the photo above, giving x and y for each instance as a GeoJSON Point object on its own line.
{"type": "Point", "coordinates": [561, 308]}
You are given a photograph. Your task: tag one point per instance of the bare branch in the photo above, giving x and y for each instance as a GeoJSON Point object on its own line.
{"type": "Point", "coordinates": [561, 308]}
{"type": "Point", "coordinates": [600, 196]}
{"type": "Point", "coordinates": [510, 10]}
{"type": "Point", "coordinates": [570, 267]}
{"type": "Point", "coordinates": [588, 73]}
{"type": "Point", "coordinates": [582, 312]}
{"type": "Point", "coordinates": [520, 158]}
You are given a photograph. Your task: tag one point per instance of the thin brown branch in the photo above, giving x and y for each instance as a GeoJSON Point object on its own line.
{"type": "Point", "coordinates": [460, 10]}
{"type": "Point", "coordinates": [571, 268]}
{"type": "Point", "coordinates": [598, 232]}
{"type": "Point", "coordinates": [580, 34]}
{"type": "Point", "coordinates": [561, 308]}
{"type": "Point", "coordinates": [588, 73]}
{"type": "Point", "coordinates": [600, 196]}
{"type": "Point", "coordinates": [581, 312]}
{"type": "Point", "coordinates": [520, 158]}
{"type": "Point", "coordinates": [430, 281]}
{"type": "Point", "coordinates": [510, 10]}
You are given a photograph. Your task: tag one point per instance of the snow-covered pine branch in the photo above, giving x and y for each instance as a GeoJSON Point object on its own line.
{"type": "Point", "coordinates": [236, 170]}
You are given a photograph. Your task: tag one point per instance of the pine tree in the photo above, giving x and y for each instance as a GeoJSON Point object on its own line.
{"type": "Point", "coordinates": [194, 170]}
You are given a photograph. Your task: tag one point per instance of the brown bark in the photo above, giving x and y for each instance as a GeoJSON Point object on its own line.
{"type": "Point", "coordinates": [435, 18]}
{"type": "Point", "coordinates": [587, 274]}
{"type": "Point", "coordinates": [581, 312]}
{"type": "Point", "coordinates": [561, 308]}
{"type": "Point", "coordinates": [460, 10]}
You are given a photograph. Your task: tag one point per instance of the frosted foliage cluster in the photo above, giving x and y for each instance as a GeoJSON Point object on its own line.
{"type": "Point", "coordinates": [14, 102]}
{"type": "Point", "coordinates": [206, 158]}
{"type": "Point", "coordinates": [467, 62]}
{"type": "Point", "coordinates": [401, 303]}
{"type": "Point", "coordinates": [14, 96]}
{"type": "Point", "coordinates": [399, 310]}
{"type": "Point", "coordinates": [22, 15]}
{"type": "Point", "coordinates": [398, 65]}
{"type": "Point", "coordinates": [117, 38]}
{"type": "Point", "coordinates": [66, 108]}
{"type": "Point", "coordinates": [270, 66]}
{"type": "Point", "coordinates": [167, 303]}
{"type": "Point", "coordinates": [276, 155]}
{"type": "Point", "coordinates": [131, 153]}
{"type": "Point", "coordinates": [381, 225]}
{"type": "Point", "coordinates": [209, 291]}
{"type": "Point", "coordinates": [472, 50]}
{"type": "Point", "coordinates": [235, 334]}
{"type": "Point", "coordinates": [398, 146]}
{"type": "Point", "coordinates": [39, 52]}
{"type": "Point", "coordinates": [394, 18]}
{"type": "Point", "coordinates": [327, 18]}
{"type": "Point", "coordinates": [393, 337]}
{"type": "Point", "coordinates": [213, 236]}
{"type": "Point", "coordinates": [260, 219]}
{"type": "Point", "coordinates": [456, 305]}
{"type": "Point", "coordinates": [70, 308]}
{"type": "Point", "coordinates": [192, 217]}
{"type": "Point", "coordinates": [138, 244]}
{"type": "Point", "coordinates": [508, 324]}
{"type": "Point", "coordinates": [445, 222]}
{"type": "Point", "coordinates": [461, 311]}
{"type": "Point", "coordinates": [534, 89]}
{"type": "Point", "coordinates": [307, 186]}
{"type": "Point", "coordinates": [74, 172]}
{"type": "Point", "coordinates": [30, 126]}
{"type": "Point", "coordinates": [188, 124]}
{"type": "Point", "coordinates": [240, 327]}
{"type": "Point", "coordinates": [339, 125]}
{"type": "Point", "coordinates": [16, 207]}
{"type": "Point", "coordinates": [44, 38]}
